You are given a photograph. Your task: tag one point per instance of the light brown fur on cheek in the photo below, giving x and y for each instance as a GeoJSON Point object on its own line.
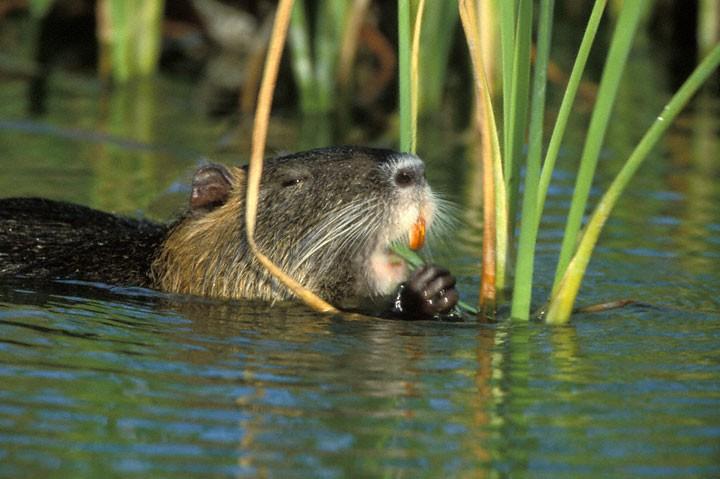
{"type": "Point", "coordinates": [208, 256]}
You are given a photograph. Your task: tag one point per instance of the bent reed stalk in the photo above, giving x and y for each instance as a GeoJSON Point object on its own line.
{"type": "Point", "coordinates": [259, 138]}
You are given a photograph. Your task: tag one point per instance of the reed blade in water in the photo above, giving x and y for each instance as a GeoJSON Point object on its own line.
{"type": "Point", "coordinates": [522, 290]}
{"type": "Point", "coordinates": [38, 8]}
{"type": "Point", "coordinates": [131, 31]}
{"type": "Point", "coordinates": [507, 45]}
{"type": "Point", "coordinates": [404, 45]}
{"type": "Point", "coordinates": [494, 249]}
{"type": "Point", "coordinates": [415, 76]}
{"type": "Point", "coordinates": [563, 299]}
{"type": "Point", "coordinates": [518, 114]}
{"type": "Point", "coordinates": [439, 22]}
{"type": "Point", "coordinates": [315, 61]}
{"type": "Point", "coordinates": [621, 43]}
{"type": "Point", "coordinates": [567, 103]}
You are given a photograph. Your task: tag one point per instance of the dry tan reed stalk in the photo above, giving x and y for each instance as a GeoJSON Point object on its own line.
{"type": "Point", "coordinates": [415, 74]}
{"type": "Point", "coordinates": [488, 286]}
{"type": "Point", "coordinates": [259, 137]}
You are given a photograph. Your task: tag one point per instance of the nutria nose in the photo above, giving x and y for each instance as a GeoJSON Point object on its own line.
{"type": "Point", "coordinates": [409, 176]}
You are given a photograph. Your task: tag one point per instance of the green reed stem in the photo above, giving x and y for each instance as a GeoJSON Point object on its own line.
{"type": "Point", "coordinates": [519, 95]}
{"type": "Point", "coordinates": [302, 63]}
{"type": "Point", "coordinates": [507, 47]}
{"type": "Point", "coordinates": [315, 62]}
{"type": "Point", "coordinates": [149, 36]}
{"type": "Point", "coordinates": [494, 248]}
{"type": "Point", "coordinates": [614, 66]}
{"type": "Point", "coordinates": [708, 24]}
{"type": "Point", "coordinates": [38, 8]}
{"type": "Point", "coordinates": [404, 67]}
{"type": "Point", "coordinates": [415, 84]}
{"type": "Point", "coordinates": [136, 30]}
{"type": "Point", "coordinates": [330, 25]}
{"type": "Point", "coordinates": [438, 27]}
{"type": "Point", "coordinates": [567, 103]}
{"type": "Point", "coordinates": [522, 291]}
{"type": "Point", "coordinates": [563, 299]}
{"type": "Point", "coordinates": [120, 41]}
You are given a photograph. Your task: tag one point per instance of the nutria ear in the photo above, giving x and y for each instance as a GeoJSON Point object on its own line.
{"type": "Point", "coordinates": [211, 187]}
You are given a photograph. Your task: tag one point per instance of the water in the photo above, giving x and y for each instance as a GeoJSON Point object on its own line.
{"type": "Point", "coordinates": [137, 384]}
{"type": "Point", "coordinates": [105, 381]}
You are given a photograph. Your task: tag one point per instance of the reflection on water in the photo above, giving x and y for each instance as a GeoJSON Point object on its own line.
{"type": "Point", "coordinates": [99, 380]}
{"type": "Point", "coordinates": [149, 385]}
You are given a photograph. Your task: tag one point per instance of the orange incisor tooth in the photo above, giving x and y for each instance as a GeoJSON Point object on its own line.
{"type": "Point", "coordinates": [417, 234]}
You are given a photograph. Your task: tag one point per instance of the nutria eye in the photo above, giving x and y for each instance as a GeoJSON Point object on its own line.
{"type": "Point", "coordinates": [405, 177]}
{"type": "Point", "coordinates": [291, 182]}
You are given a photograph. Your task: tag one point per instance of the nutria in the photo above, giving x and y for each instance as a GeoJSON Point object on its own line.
{"type": "Point", "coordinates": [326, 216]}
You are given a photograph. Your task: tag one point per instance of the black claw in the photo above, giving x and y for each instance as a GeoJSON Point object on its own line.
{"type": "Point", "coordinates": [438, 284]}
{"type": "Point", "coordinates": [428, 293]}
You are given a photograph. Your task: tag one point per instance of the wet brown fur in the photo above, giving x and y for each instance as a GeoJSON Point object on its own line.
{"type": "Point", "coordinates": [326, 218]}
{"type": "Point", "coordinates": [206, 253]}
{"type": "Point", "coordinates": [199, 256]}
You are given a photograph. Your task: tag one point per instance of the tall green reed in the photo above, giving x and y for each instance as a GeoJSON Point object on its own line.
{"type": "Point", "coordinates": [560, 306]}
{"type": "Point", "coordinates": [516, 26]}
{"type": "Point", "coordinates": [627, 23]}
{"type": "Point", "coordinates": [439, 22]}
{"type": "Point", "coordinates": [516, 117]}
{"type": "Point", "coordinates": [316, 52]}
{"type": "Point", "coordinates": [38, 8]}
{"type": "Point", "coordinates": [708, 24]}
{"type": "Point", "coordinates": [407, 126]}
{"type": "Point", "coordinates": [522, 291]}
{"type": "Point", "coordinates": [130, 31]}
{"type": "Point", "coordinates": [494, 248]}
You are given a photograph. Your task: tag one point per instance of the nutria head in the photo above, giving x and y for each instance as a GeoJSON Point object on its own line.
{"type": "Point", "coordinates": [327, 217]}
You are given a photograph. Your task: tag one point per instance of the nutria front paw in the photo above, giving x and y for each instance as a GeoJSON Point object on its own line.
{"type": "Point", "coordinates": [429, 292]}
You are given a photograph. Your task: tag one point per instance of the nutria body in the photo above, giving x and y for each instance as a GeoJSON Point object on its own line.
{"type": "Point", "coordinates": [326, 216]}
{"type": "Point", "coordinates": [43, 239]}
